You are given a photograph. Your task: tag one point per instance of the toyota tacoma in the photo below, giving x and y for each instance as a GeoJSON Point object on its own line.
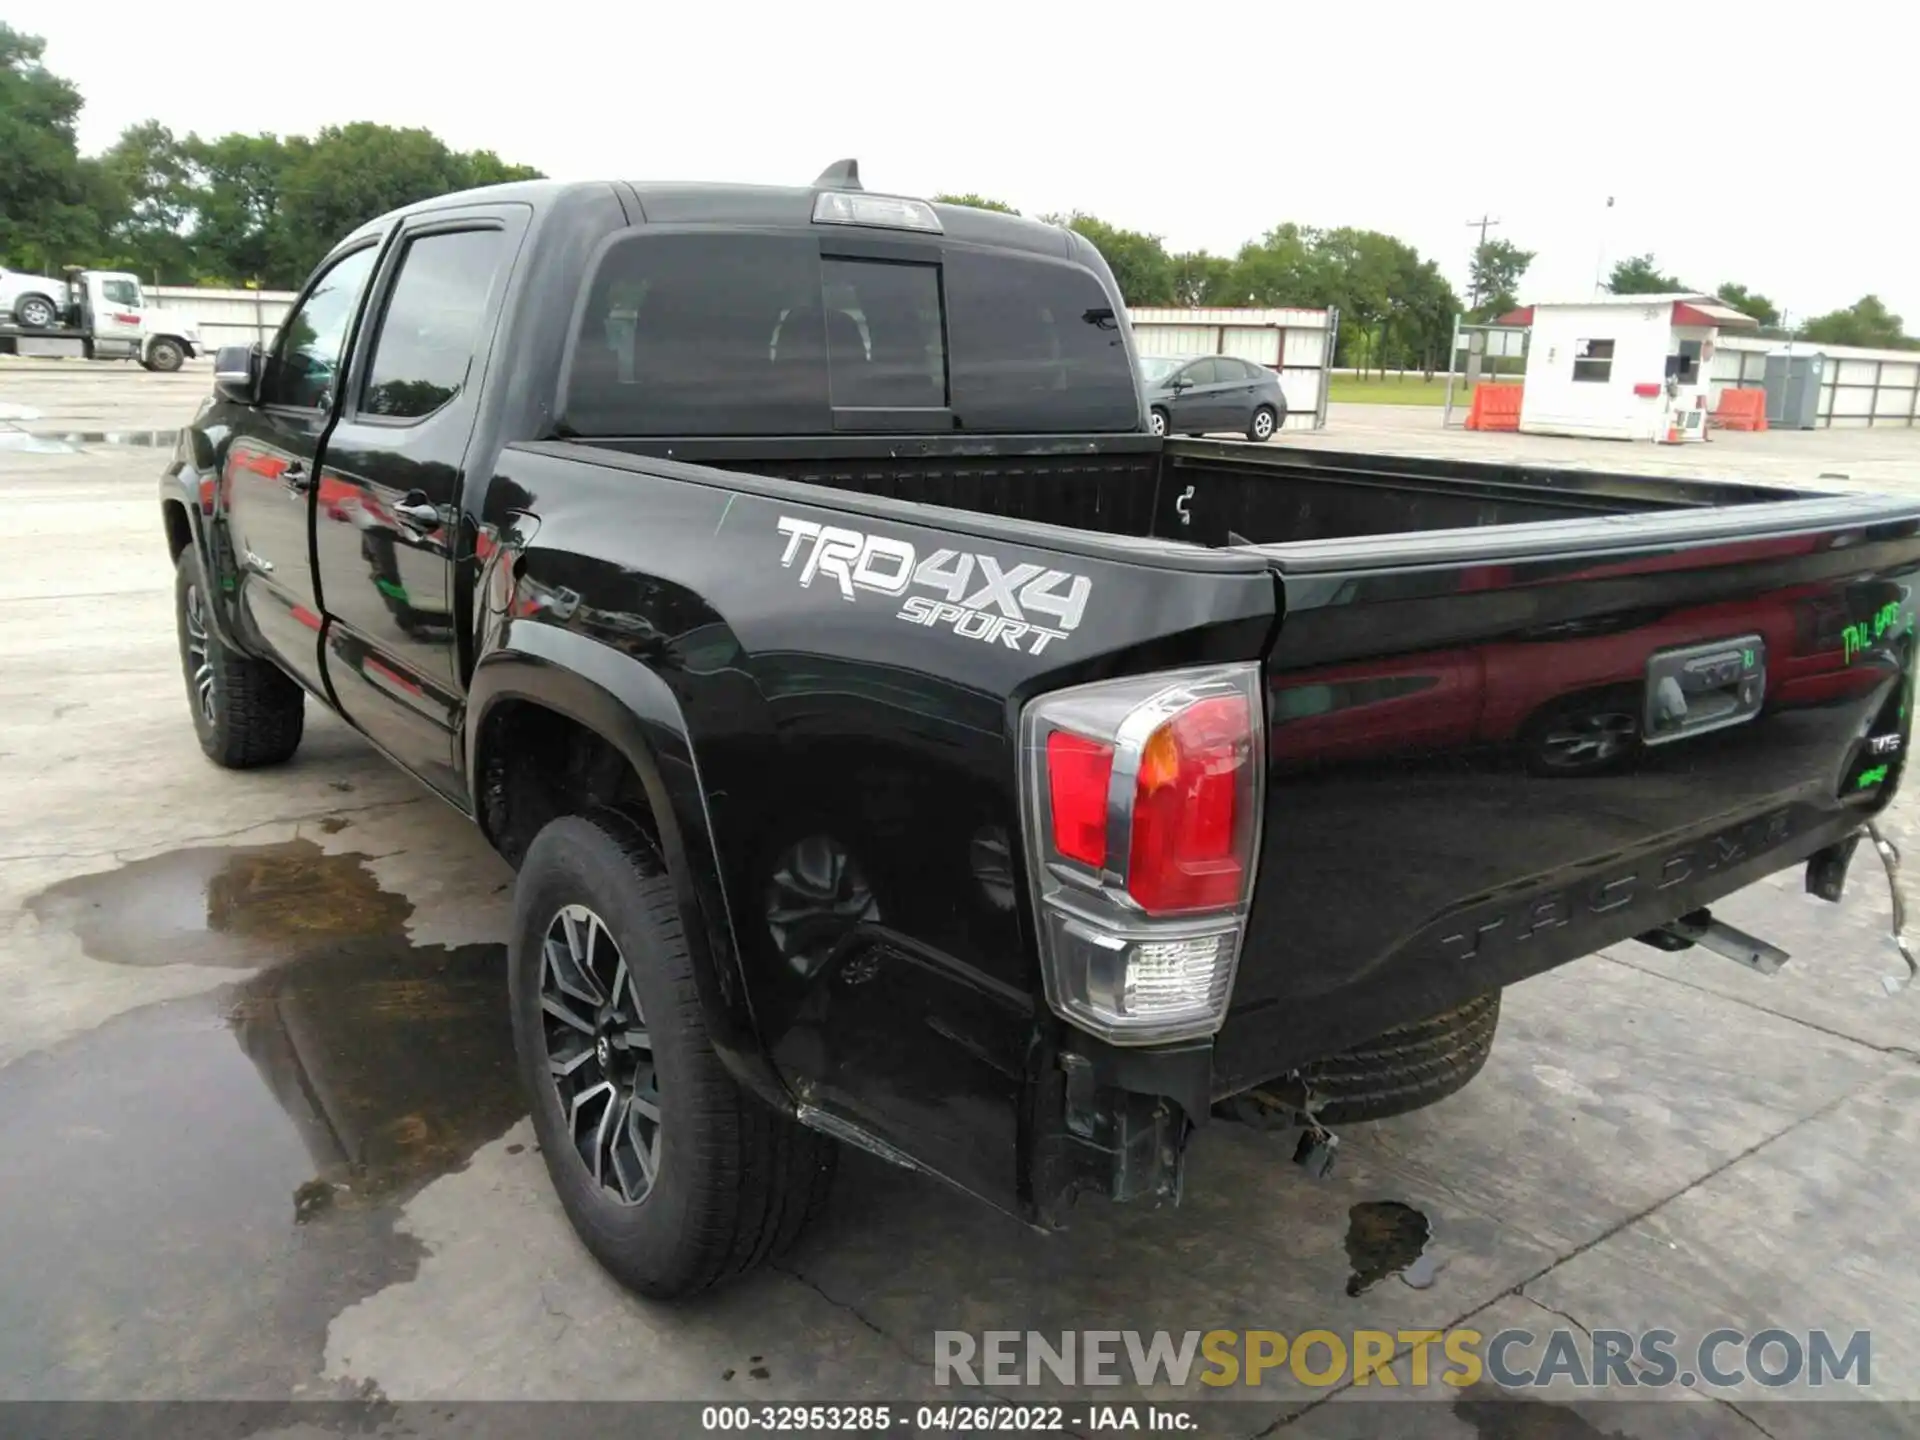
{"type": "Point", "coordinates": [901, 746]}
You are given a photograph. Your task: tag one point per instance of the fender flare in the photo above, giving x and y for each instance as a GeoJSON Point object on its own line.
{"type": "Point", "coordinates": [629, 706]}
{"type": "Point", "coordinates": [183, 485]}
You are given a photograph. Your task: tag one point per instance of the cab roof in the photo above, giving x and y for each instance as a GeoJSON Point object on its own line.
{"type": "Point", "coordinates": [696, 203]}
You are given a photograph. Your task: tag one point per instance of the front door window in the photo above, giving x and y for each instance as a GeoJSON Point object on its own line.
{"type": "Point", "coordinates": [304, 369]}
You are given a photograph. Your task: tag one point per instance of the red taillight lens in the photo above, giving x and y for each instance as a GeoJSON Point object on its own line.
{"type": "Point", "coordinates": [1078, 770]}
{"type": "Point", "coordinates": [1140, 938]}
{"type": "Point", "coordinates": [1191, 829]}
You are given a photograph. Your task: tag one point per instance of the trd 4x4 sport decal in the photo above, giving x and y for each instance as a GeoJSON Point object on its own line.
{"type": "Point", "coordinates": [1024, 607]}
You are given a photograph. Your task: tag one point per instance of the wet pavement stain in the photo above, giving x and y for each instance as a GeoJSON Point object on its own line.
{"type": "Point", "coordinates": [1386, 1238]}
{"type": "Point", "coordinates": [54, 442]}
{"type": "Point", "coordinates": [393, 1064]}
{"type": "Point", "coordinates": [237, 906]}
{"type": "Point", "coordinates": [1495, 1415]}
{"type": "Point", "coordinates": [239, 1156]}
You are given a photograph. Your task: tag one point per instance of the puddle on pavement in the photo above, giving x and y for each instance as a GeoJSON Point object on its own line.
{"type": "Point", "coordinates": [244, 906]}
{"type": "Point", "coordinates": [1496, 1415]}
{"type": "Point", "coordinates": [260, 1134]}
{"type": "Point", "coordinates": [65, 442]}
{"type": "Point", "coordinates": [393, 1062]}
{"type": "Point", "coordinates": [1387, 1238]}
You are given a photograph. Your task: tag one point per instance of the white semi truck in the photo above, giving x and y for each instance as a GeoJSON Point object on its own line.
{"type": "Point", "coordinates": [93, 315]}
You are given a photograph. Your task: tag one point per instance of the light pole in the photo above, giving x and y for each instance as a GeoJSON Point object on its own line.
{"type": "Point", "coordinates": [1600, 255]}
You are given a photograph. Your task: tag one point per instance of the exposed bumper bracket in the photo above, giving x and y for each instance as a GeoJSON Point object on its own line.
{"type": "Point", "coordinates": [1827, 869]}
{"type": "Point", "coordinates": [1288, 1104]}
{"type": "Point", "coordinates": [1700, 928]}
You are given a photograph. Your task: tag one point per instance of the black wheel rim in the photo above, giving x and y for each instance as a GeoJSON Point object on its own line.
{"type": "Point", "coordinates": [600, 1055]}
{"type": "Point", "coordinates": [199, 654]}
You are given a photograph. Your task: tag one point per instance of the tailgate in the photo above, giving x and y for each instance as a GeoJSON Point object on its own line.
{"type": "Point", "coordinates": [1494, 751]}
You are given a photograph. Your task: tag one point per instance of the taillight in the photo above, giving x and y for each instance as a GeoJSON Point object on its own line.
{"type": "Point", "coordinates": [1190, 821]}
{"type": "Point", "coordinates": [1143, 806]}
{"type": "Point", "coordinates": [1078, 772]}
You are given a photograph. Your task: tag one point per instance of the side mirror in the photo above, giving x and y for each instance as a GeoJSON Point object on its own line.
{"type": "Point", "coordinates": [1178, 383]}
{"type": "Point", "coordinates": [236, 373]}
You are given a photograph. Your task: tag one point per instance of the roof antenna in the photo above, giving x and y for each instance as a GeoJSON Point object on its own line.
{"type": "Point", "coordinates": [841, 175]}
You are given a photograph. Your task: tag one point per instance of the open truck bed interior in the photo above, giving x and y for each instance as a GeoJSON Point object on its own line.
{"type": "Point", "coordinates": [1210, 493]}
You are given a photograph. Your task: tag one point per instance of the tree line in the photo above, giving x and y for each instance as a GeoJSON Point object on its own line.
{"type": "Point", "coordinates": [1866, 322]}
{"type": "Point", "coordinates": [183, 210]}
{"type": "Point", "coordinates": [1402, 305]}
{"type": "Point", "coordinates": [1396, 308]}
{"type": "Point", "coordinates": [263, 209]}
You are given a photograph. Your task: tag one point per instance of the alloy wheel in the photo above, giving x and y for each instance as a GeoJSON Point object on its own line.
{"type": "Point", "coordinates": [1263, 425]}
{"type": "Point", "coordinates": [199, 653]}
{"type": "Point", "coordinates": [600, 1054]}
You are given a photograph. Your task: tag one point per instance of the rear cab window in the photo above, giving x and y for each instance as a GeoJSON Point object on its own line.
{"type": "Point", "coordinates": [702, 333]}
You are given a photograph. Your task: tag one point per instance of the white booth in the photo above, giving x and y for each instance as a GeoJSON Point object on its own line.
{"type": "Point", "coordinates": [1622, 367]}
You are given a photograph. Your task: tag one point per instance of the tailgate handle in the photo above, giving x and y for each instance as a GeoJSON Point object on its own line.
{"type": "Point", "coordinates": [1704, 687]}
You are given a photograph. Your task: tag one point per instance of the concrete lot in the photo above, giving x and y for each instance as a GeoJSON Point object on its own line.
{"type": "Point", "coordinates": [259, 1135]}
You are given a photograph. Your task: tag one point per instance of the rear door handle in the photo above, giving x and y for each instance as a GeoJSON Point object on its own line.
{"type": "Point", "coordinates": [296, 479]}
{"type": "Point", "coordinates": [418, 511]}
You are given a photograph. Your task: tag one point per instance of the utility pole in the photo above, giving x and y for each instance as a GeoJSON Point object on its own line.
{"type": "Point", "coordinates": [1483, 224]}
{"type": "Point", "coordinates": [1600, 258]}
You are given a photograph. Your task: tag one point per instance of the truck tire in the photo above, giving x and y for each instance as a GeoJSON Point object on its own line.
{"type": "Point", "coordinates": [246, 712]}
{"type": "Point", "coordinates": [672, 1175]}
{"type": "Point", "coordinates": [165, 355]}
{"type": "Point", "coordinates": [35, 312]}
{"type": "Point", "coordinates": [1407, 1068]}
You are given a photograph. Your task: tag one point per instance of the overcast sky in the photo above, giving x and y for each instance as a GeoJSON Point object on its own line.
{"type": "Point", "coordinates": [1773, 146]}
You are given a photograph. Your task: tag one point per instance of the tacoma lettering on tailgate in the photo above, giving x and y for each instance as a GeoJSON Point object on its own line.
{"type": "Point", "coordinates": [980, 599]}
{"type": "Point", "coordinates": [1499, 928]}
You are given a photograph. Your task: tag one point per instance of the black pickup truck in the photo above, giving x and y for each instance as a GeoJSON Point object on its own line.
{"type": "Point", "coordinates": [900, 746]}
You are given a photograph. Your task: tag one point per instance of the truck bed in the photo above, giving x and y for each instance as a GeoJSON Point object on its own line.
{"type": "Point", "coordinates": [1459, 684]}
{"type": "Point", "coordinates": [1212, 493]}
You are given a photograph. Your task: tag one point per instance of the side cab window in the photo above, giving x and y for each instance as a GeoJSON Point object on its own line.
{"type": "Point", "coordinates": [304, 369]}
{"type": "Point", "coordinates": [425, 346]}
